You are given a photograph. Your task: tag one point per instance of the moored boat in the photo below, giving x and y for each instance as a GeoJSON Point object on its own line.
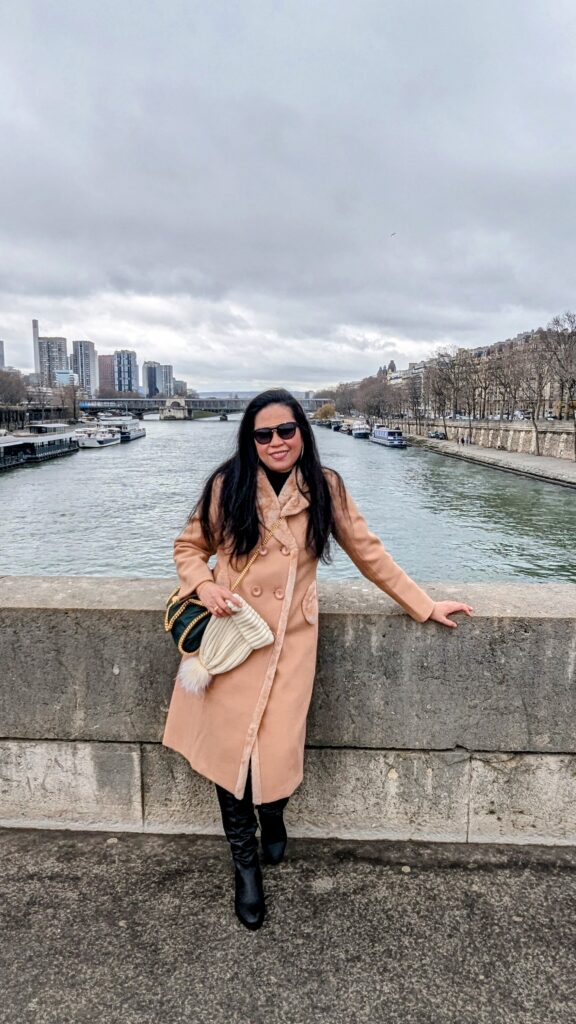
{"type": "Point", "coordinates": [129, 427]}
{"type": "Point", "coordinates": [389, 438]}
{"type": "Point", "coordinates": [38, 443]}
{"type": "Point", "coordinates": [97, 437]}
{"type": "Point", "coordinates": [360, 429]}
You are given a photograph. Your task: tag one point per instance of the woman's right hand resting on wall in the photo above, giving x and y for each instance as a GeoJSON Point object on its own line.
{"type": "Point", "coordinates": [214, 597]}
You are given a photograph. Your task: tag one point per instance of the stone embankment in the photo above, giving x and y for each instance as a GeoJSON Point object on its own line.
{"type": "Point", "coordinates": [540, 467]}
{"type": "Point", "coordinates": [556, 439]}
{"type": "Point", "coordinates": [415, 731]}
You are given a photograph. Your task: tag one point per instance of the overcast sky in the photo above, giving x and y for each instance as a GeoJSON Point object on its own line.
{"type": "Point", "coordinates": [292, 192]}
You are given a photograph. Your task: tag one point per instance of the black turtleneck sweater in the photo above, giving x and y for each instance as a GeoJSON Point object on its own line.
{"type": "Point", "coordinates": [276, 478]}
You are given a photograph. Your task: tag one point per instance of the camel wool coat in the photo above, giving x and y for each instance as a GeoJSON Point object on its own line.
{"type": "Point", "coordinates": [255, 715]}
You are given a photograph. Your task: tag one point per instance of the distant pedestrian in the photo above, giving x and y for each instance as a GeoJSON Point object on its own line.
{"type": "Point", "coordinates": [246, 731]}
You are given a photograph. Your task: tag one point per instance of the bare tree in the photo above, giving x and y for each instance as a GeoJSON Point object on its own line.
{"type": "Point", "coordinates": [486, 381]}
{"type": "Point", "coordinates": [374, 398]}
{"type": "Point", "coordinates": [12, 388]}
{"type": "Point", "coordinates": [507, 376]}
{"type": "Point", "coordinates": [345, 399]}
{"type": "Point", "coordinates": [69, 398]}
{"type": "Point", "coordinates": [561, 341]}
{"type": "Point", "coordinates": [535, 367]}
{"type": "Point", "coordinates": [437, 392]}
{"type": "Point", "coordinates": [466, 370]}
{"type": "Point", "coordinates": [450, 368]}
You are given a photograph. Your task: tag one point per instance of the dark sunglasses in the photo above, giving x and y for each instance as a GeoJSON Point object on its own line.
{"type": "Point", "coordinates": [284, 430]}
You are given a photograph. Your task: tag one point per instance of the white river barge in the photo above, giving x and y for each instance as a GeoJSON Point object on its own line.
{"type": "Point", "coordinates": [388, 437]}
{"type": "Point", "coordinates": [38, 443]}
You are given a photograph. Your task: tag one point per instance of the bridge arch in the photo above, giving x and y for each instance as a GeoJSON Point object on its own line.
{"type": "Point", "coordinates": [174, 409]}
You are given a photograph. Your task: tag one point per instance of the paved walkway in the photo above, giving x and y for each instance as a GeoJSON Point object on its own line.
{"type": "Point", "coordinates": [556, 471]}
{"type": "Point", "coordinates": [138, 929]}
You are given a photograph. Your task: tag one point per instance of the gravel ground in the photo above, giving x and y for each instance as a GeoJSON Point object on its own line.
{"type": "Point", "coordinates": [135, 929]}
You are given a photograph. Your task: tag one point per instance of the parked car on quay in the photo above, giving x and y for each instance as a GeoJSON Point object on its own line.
{"type": "Point", "coordinates": [438, 435]}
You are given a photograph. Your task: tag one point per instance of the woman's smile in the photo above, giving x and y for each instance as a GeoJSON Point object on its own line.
{"type": "Point", "coordinates": [279, 453]}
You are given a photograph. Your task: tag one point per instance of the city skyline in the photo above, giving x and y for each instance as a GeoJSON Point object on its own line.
{"type": "Point", "coordinates": [172, 384]}
{"type": "Point", "coordinates": [286, 196]}
{"type": "Point", "coordinates": [92, 371]}
{"type": "Point", "coordinates": [76, 357]}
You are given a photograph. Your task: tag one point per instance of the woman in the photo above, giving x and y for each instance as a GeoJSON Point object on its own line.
{"type": "Point", "coordinates": [246, 731]}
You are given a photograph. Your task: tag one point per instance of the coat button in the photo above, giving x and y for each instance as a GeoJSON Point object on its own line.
{"type": "Point", "coordinates": [285, 550]}
{"type": "Point", "coordinates": [263, 551]}
{"type": "Point", "coordinates": [279, 593]}
{"type": "Point", "coordinates": [256, 591]}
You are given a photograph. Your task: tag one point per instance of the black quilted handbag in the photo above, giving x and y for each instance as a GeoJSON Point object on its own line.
{"type": "Point", "coordinates": [186, 618]}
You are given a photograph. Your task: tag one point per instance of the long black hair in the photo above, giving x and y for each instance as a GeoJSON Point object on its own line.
{"type": "Point", "coordinates": [236, 523]}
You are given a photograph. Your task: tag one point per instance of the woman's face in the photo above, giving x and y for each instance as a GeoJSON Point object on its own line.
{"type": "Point", "coordinates": [279, 453]}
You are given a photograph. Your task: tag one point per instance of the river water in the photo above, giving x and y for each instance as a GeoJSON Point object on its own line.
{"type": "Point", "coordinates": [115, 512]}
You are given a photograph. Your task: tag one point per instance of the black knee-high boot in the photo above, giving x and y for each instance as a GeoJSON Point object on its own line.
{"type": "Point", "coordinates": [273, 834]}
{"type": "Point", "coordinates": [240, 826]}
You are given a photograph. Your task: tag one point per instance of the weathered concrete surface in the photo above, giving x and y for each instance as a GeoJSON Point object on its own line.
{"type": "Point", "coordinates": [357, 794]}
{"type": "Point", "coordinates": [363, 794]}
{"type": "Point", "coordinates": [450, 796]}
{"type": "Point", "coordinates": [176, 799]}
{"type": "Point", "coordinates": [523, 798]}
{"type": "Point", "coordinates": [101, 668]}
{"type": "Point", "coordinates": [77, 785]}
{"type": "Point", "coordinates": [140, 929]}
{"type": "Point", "coordinates": [83, 658]}
{"type": "Point", "coordinates": [402, 717]}
{"type": "Point", "coordinates": [560, 470]}
{"type": "Point", "coordinates": [504, 680]}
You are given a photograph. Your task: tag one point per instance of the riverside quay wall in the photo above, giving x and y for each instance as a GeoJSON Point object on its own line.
{"type": "Point", "coordinates": [415, 731]}
{"type": "Point", "coordinates": [555, 440]}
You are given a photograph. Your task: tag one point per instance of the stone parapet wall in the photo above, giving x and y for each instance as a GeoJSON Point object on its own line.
{"type": "Point", "coordinates": [556, 440]}
{"type": "Point", "coordinates": [415, 731]}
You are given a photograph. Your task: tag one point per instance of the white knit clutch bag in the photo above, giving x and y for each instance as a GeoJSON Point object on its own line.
{"type": "Point", "coordinates": [226, 643]}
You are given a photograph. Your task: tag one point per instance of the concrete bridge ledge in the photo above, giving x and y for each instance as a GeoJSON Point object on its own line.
{"type": "Point", "coordinates": [356, 596]}
{"type": "Point", "coordinates": [414, 732]}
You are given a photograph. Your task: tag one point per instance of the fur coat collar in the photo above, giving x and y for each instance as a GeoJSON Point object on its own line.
{"type": "Point", "coordinates": [293, 497]}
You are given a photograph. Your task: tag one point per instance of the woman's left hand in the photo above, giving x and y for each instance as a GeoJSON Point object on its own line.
{"type": "Point", "coordinates": [442, 609]}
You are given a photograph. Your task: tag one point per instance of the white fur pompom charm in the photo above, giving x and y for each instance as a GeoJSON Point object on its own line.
{"type": "Point", "coordinates": [192, 674]}
{"type": "Point", "coordinates": [226, 643]}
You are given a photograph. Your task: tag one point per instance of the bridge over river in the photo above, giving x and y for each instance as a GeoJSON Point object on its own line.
{"type": "Point", "coordinates": [180, 408]}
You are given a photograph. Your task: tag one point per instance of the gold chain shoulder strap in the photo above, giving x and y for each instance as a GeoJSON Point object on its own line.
{"type": "Point", "coordinates": [170, 619]}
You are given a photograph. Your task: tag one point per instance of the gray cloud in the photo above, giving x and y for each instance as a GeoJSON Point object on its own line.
{"type": "Point", "coordinates": [293, 192]}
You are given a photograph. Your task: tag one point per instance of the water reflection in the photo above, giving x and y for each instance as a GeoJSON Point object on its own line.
{"type": "Point", "coordinates": [116, 512]}
{"type": "Point", "coordinates": [443, 518]}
